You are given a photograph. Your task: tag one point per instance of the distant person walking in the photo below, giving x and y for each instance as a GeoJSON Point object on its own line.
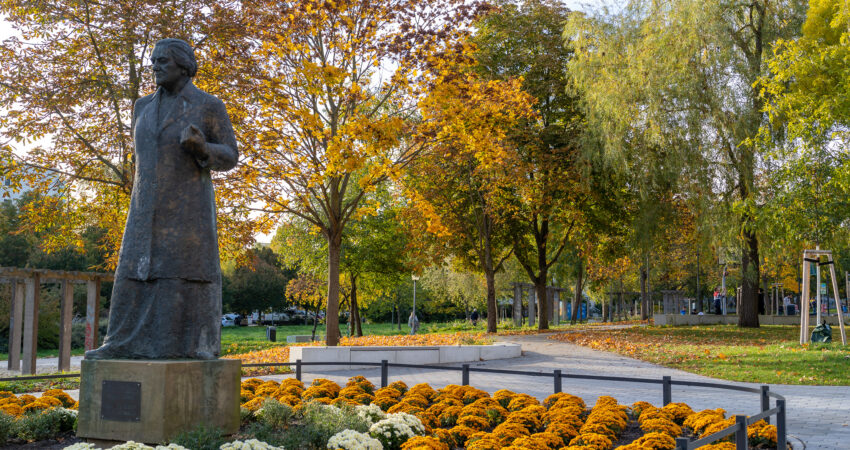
{"type": "Point", "coordinates": [413, 323]}
{"type": "Point", "coordinates": [788, 306]}
{"type": "Point", "coordinates": [474, 317]}
{"type": "Point", "coordinates": [718, 306]}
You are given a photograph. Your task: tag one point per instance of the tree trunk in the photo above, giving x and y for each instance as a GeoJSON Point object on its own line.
{"type": "Point", "coordinates": [748, 308]}
{"type": "Point", "coordinates": [492, 314]}
{"type": "Point", "coordinates": [332, 317]}
{"type": "Point", "coordinates": [577, 298]}
{"type": "Point", "coordinates": [316, 321]}
{"type": "Point", "coordinates": [542, 303]}
{"type": "Point", "coordinates": [354, 314]}
{"type": "Point", "coordinates": [644, 295]}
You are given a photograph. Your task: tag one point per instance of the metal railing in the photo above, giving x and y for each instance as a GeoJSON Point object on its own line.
{"type": "Point", "coordinates": [739, 429]}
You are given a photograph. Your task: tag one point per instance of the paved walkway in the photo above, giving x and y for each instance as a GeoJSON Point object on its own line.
{"type": "Point", "coordinates": [818, 416]}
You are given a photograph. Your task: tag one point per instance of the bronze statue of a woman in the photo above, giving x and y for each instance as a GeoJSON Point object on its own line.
{"type": "Point", "coordinates": [166, 300]}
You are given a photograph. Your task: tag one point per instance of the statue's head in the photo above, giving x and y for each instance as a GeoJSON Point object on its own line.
{"type": "Point", "coordinates": [172, 60]}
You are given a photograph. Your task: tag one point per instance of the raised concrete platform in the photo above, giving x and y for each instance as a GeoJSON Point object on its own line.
{"type": "Point", "coordinates": [299, 338]}
{"type": "Point", "coordinates": [712, 319]}
{"type": "Point", "coordinates": [153, 401]}
{"type": "Point", "coordinates": [442, 354]}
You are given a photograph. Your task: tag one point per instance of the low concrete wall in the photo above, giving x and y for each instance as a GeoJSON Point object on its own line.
{"type": "Point", "coordinates": [401, 355]}
{"type": "Point", "coordinates": [299, 338]}
{"type": "Point", "coordinates": [711, 319]}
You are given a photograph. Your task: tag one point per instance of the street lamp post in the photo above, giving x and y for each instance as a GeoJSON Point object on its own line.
{"type": "Point", "coordinates": [414, 278]}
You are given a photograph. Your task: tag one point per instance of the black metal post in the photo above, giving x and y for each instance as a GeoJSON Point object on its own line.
{"type": "Point", "coordinates": [298, 369]}
{"type": "Point", "coordinates": [741, 434]}
{"type": "Point", "coordinates": [465, 378]}
{"type": "Point", "coordinates": [781, 431]}
{"type": "Point", "coordinates": [682, 443]}
{"type": "Point", "coordinates": [557, 375]}
{"type": "Point", "coordinates": [667, 388]}
{"type": "Point", "coordinates": [765, 401]}
{"type": "Point", "coordinates": [385, 373]}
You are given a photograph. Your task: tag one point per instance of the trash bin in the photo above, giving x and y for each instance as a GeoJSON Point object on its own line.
{"type": "Point", "coordinates": [822, 333]}
{"type": "Point", "coordinates": [271, 334]}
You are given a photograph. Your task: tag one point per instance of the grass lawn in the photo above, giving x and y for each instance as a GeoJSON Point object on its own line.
{"type": "Point", "coordinates": [769, 355]}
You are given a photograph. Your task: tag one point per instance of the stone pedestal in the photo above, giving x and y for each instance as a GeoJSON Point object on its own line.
{"type": "Point", "coordinates": [153, 401]}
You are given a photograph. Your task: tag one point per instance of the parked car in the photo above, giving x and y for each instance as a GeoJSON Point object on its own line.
{"type": "Point", "coordinates": [230, 320]}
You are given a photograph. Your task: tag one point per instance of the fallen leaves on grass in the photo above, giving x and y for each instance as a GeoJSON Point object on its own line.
{"type": "Point", "coordinates": [281, 353]}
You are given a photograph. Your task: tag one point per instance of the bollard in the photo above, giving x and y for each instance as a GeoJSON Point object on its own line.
{"type": "Point", "coordinates": [667, 390]}
{"type": "Point", "coordinates": [298, 369]}
{"type": "Point", "coordinates": [765, 400]}
{"type": "Point", "coordinates": [741, 434]}
{"type": "Point", "coordinates": [682, 443]}
{"type": "Point", "coordinates": [781, 431]}
{"type": "Point", "coordinates": [385, 373]}
{"type": "Point", "coordinates": [557, 375]}
{"type": "Point", "coordinates": [465, 378]}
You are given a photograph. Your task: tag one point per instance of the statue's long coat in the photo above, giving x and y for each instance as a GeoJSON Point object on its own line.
{"type": "Point", "coordinates": [166, 301]}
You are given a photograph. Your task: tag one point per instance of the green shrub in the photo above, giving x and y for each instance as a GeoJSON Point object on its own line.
{"type": "Point", "coordinates": [38, 426]}
{"type": "Point", "coordinates": [319, 423]}
{"type": "Point", "coordinates": [201, 438]}
{"type": "Point", "coordinates": [7, 427]}
{"type": "Point", "coordinates": [275, 413]}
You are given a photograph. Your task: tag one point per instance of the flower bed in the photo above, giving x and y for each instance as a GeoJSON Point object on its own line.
{"type": "Point", "coordinates": [30, 418]}
{"type": "Point", "coordinates": [466, 417]}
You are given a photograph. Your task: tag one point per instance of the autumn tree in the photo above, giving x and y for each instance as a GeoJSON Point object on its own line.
{"type": "Point", "coordinates": [68, 78]}
{"type": "Point", "coordinates": [461, 184]}
{"type": "Point", "coordinates": [306, 290]}
{"type": "Point", "coordinates": [689, 69]}
{"type": "Point", "coordinates": [524, 41]}
{"type": "Point", "coordinates": [337, 84]}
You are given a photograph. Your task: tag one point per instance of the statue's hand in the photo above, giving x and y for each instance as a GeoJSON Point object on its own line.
{"type": "Point", "coordinates": [193, 141]}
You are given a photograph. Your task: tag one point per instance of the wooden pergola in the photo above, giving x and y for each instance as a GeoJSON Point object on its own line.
{"type": "Point", "coordinates": [23, 312]}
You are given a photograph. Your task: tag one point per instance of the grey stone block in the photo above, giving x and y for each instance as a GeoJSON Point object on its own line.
{"type": "Point", "coordinates": [153, 401]}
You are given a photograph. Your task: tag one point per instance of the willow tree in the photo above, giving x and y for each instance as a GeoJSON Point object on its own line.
{"type": "Point", "coordinates": [690, 69]}
{"type": "Point", "coordinates": [336, 103]}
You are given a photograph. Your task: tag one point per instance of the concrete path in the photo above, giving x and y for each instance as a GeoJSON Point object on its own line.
{"type": "Point", "coordinates": [818, 416]}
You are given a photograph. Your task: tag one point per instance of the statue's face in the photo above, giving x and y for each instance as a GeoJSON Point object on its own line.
{"type": "Point", "coordinates": [166, 72]}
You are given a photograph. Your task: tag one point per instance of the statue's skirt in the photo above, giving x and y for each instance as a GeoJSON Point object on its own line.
{"type": "Point", "coordinates": [167, 318]}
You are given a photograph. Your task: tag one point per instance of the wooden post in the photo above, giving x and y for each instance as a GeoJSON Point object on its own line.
{"type": "Point", "coordinates": [33, 299]}
{"type": "Point", "coordinates": [837, 300]}
{"type": "Point", "coordinates": [66, 309]}
{"type": "Point", "coordinates": [556, 307]}
{"type": "Point", "coordinates": [92, 312]}
{"type": "Point", "coordinates": [804, 302]}
{"type": "Point", "coordinates": [16, 317]}
{"type": "Point", "coordinates": [532, 308]}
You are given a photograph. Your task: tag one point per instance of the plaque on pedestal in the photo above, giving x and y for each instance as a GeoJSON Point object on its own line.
{"type": "Point", "coordinates": [153, 401]}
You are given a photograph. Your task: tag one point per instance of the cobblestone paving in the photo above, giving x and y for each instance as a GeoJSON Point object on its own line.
{"type": "Point", "coordinates": [818, 416]}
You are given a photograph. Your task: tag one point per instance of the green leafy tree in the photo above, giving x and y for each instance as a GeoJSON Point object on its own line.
{"type": "Point", "coordinates": [257, 284]}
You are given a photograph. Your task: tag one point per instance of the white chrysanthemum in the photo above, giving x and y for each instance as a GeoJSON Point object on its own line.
{"type": "Point", "coordinates": [251, 444]}
{"type": "Point", "coordinates": [392, 432]}
{"type": "Point", "coordinates": [80, 446]}
{"type": "Point", "coordinates": [410, 420]}
{"type": "Point", "coordinates": [352, 440]}
{"type": "Point", "coordinates": [371, 413]}
{"type": "Point", "coordinates": [130, 445]}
